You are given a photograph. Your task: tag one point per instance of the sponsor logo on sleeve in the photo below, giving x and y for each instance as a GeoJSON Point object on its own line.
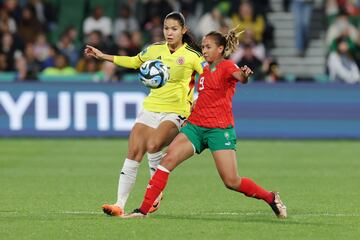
{"type": "Point", "coordinates": [204, 64]}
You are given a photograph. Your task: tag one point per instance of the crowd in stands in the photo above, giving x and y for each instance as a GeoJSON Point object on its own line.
{"type": "Point", "coordinates": [343, 40]}
{"type": "Point", "coordinates": [35, 45]}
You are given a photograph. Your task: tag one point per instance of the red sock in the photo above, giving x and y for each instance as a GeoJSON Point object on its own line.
{"type": "Point", "coordinates": [156, 185]}
{"type": "Point", "coordinates": [251, 189]}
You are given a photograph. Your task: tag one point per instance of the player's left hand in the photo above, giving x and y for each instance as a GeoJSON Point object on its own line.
{"type": "Point", "coordinates": [246, 71]}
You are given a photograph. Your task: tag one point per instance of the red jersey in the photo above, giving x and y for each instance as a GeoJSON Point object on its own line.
{"type": "Point", "coordinates": [216, 87]}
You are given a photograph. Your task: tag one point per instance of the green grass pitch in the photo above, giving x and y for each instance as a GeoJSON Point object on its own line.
{"type": "Point", "coordinates": [54, 189]}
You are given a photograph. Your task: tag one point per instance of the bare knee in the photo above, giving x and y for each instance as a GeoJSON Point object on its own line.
{"type": "Point", "coordinates": [136, 153]}
{"type": "Point", "coordinates": [153, 146]}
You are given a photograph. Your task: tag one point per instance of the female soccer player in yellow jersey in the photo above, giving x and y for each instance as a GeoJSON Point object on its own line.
{"type": "Point", "coordinates": [164, 109]}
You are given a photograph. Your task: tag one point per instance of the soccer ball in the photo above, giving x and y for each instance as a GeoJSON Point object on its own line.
{"type": "Point", "coordinates": [154, 74]}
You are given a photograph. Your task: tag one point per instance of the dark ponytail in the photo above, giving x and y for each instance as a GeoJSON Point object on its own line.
{"type": "Point", "coordinates": [187, 37]}
{"type": "Point", "coordinates": [190, 40]}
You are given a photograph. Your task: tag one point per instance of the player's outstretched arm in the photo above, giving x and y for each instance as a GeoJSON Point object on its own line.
{"type": "Point", "coordinates": [91, 51]}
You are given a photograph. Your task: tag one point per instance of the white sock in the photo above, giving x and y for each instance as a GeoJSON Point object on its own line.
{"type": "Point", "coordinates": [126, 181]}
{"type": "Point", "coordinates": [154, 161]}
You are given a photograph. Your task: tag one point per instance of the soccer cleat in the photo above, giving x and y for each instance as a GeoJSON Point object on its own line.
{"type": "Point", "coordinates": [278, 206]}
{"type": "Point", "coordinates": [156, 204]}
{"type": "Point", "coordinates": [136, 213]}
{"type": "Point", "coordinates": [113, 210]}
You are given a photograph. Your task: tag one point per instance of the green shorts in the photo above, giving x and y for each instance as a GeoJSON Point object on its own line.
{"type": "Point", "coordinates": [213, 138]}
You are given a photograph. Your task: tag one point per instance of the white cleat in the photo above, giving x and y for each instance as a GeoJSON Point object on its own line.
{"type": "Point", "coordinates": [136, 213]}
{"type": "Point", "coordinates": [278, 206]}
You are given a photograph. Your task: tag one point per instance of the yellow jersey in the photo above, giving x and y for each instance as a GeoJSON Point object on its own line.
{"type": "Point", "coordinates": [176, 96]}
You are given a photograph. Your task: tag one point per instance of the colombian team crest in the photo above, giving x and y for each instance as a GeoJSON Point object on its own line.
{"type": "Point", "coordinates": [180, 60]}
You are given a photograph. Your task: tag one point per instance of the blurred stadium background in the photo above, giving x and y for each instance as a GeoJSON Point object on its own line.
{"type": "Point", "coordinates": [305, 55]}
{"type": "Point", "coordinates": [42, 39]}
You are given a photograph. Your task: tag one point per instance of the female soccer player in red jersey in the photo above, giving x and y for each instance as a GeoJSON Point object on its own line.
{"type": "Point", "coordinates": [211, 125]}
{"type": "Point", "coordinates": [164, 109]}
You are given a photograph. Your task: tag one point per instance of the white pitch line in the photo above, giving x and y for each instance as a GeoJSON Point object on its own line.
{"type": "Point", "coordinates": [64, 212]}
{"type": "Point", "coordinates": [324, 214]}
{"type": "Point", "coordinates": [79, 213]}
{"type": "Point", "coordinates": [293, 215]}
